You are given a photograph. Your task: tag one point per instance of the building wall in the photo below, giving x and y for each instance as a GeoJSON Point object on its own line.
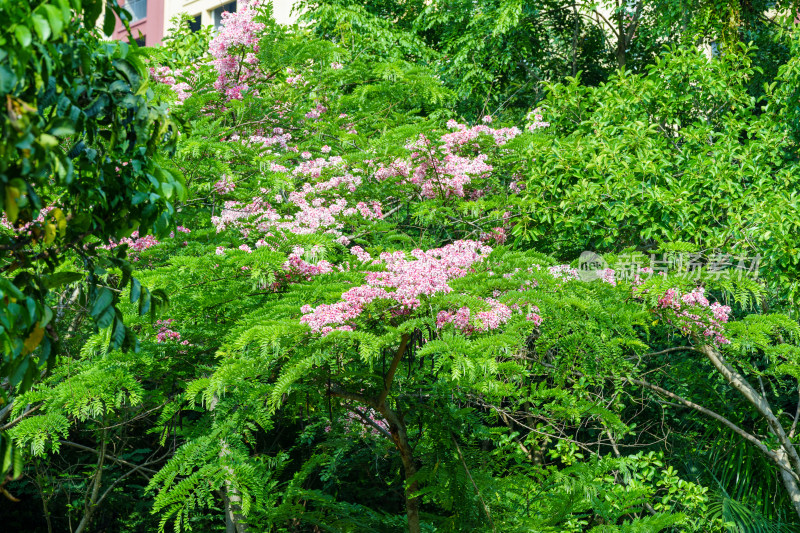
{"type": "Point", "coordinates": [151, 26]}
{"type": "Point", "coordinates": [281, 10]}
{"type": "Point", "coordinates": [155, 25]}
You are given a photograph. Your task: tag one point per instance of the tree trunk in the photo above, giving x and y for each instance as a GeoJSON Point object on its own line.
{"type": "Point", "coordinates": [789, 481]}
{"type": "Point", "coordinates": [234, 520]}
{"type": "Point", "coordinates": [621, 42]}
{"type": "Point", "coordinates": [91, 505]}
{"type": "Point", "coordinates": [397, 429]}
{"type": "Point", "coordinates": [786, 456]}
{"type": "Point", "coordinates": [232, 499]}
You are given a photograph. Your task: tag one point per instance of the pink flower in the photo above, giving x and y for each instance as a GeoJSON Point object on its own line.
{"type": "Point", "coordinates": [164, 332]}
{"type": "Point", "coordinates": [360, 254]}
{"type": "Point", "coordinates": [404, 282]}
{"type": "Point", "coordinates": [693, 315]}
{"type": "Point", "coordinates": [224, 186]}
{"type": "Point", "coordinates": [564, 272]}
{"type": "Point", "coordinates": [538, 120]}
{"type": "Point", "coordinates": [238, 31]}
{"type": "Point", "coordinates": [535, 318]}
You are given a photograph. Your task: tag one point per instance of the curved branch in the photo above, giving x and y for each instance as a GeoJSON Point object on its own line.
{"type": "Point", "coordinates": [708, 412]}
{"type": "Point", "coordinates": [738, 382]}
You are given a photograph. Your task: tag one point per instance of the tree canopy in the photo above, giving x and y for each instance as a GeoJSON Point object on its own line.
{"type": "Point", "coordinates": [403, 266]}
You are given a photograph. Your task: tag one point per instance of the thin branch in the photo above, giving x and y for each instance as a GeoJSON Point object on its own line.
{"type": "Point", "coordinates": [116, 482]}
{"type": "Point", "coordinates": [28, 411]}
{"type": "Point", "coordinates": [474, 485]}
{"type": "Point", "coordinates": [664, 352]}
{"type": "Point", "coordinates": [109, 457]}
{"type": "Point", "coordinates": [336, 390]}
{"type": "Point", "coordinates": [796, 416]}
{"type": "Point", "coordinates": [708, 412]}
{"type": "Point", "coordinates": [369, 421]}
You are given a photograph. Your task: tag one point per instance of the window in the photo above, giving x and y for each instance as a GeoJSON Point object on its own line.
{"type": "Point", "coordinates": [195, 25]}
{"type": "Point", "coordinates": [137, 9]}
{"type": "Point", "coordinates": [140, 41]}
{"type": "Point", "coordinates": [216, 14]}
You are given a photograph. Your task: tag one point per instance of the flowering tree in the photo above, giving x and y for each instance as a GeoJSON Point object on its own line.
{"type": "Point", "coordinates": [365, 334]}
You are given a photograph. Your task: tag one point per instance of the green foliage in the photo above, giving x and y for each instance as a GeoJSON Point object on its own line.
{"type": "Point", "coordinates": [678, 153]}
{"type": "Point", "coordinates": [585, 408]}
{"type": "Point", "coordinates": [83, 139]}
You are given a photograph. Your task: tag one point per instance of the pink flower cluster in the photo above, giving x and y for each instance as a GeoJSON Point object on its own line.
{"type": "Point", "coordinates": [163, 75]}
{"type": "Point", "coordinates": [497, 315]}
{"type": "Point", "coordinates": [166, 76]}
{"type": "Point", "coordinates": [533, 316]}
{"type": "Point", "coordinates": [564, 272]}
{"type": "Point", "coordinates": [180, 229]}
{"type": "Point", "coordinates": [694, 315]}
{"type": "Point", "coordinates": [637, 278]}
{"type": "Point", "coordinates": [537, 120]}
{"type": "Point", "coordinates": [317, 112]}
{"type": "Point", "coordinates": [449, 173]}
{"type": "Point", "coordinates": [314, 167]}
{"type": "Point", "coordinates": [404, 283]}
{"type": "Point", "coordinates": [299, 268]}
{"type": "Point", "coordinates": [165, 333]}
{"type": "Point", "coordinates": [464, 135]}
{"type": "Point", "coordinates": [265, 141]}
{"type": "Point", "coordinates": [27, 228]}
{"type": "Point", "coordinates": [134, 242]}
{"type": "Point", "coordinates": [224, 186]}
{"type": "Point", "coordinates": [398, 168]}
{"type": "Point", "coordinates": [608, 276]}
{"type": "Point", "coordinates": [360, 254]}
{"type": "Point", "coordinates": [447, 169]}
{"type": "Point", "coordinates": [313, 214]}
{"type": "Point", "coordinates": [234, 49]}
{"type": "Point", "coordinates": [497, 235]}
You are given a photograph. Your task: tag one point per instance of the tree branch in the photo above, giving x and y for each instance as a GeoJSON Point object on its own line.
{"type": "Point", "coordinates": [370, 422]}
{"type": "Point", "coordinates": [474, 485]}
{"type": "Point", "coordinates": [738, 382]}
{"type": "Point", "coordinates": [387, 381]}
{"type": "Point", "coordinates": [708, 412]}
{"type": "Point", "coordinates": [335, 389]}
{"type": "Point", "coordinates": [111, 458]}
